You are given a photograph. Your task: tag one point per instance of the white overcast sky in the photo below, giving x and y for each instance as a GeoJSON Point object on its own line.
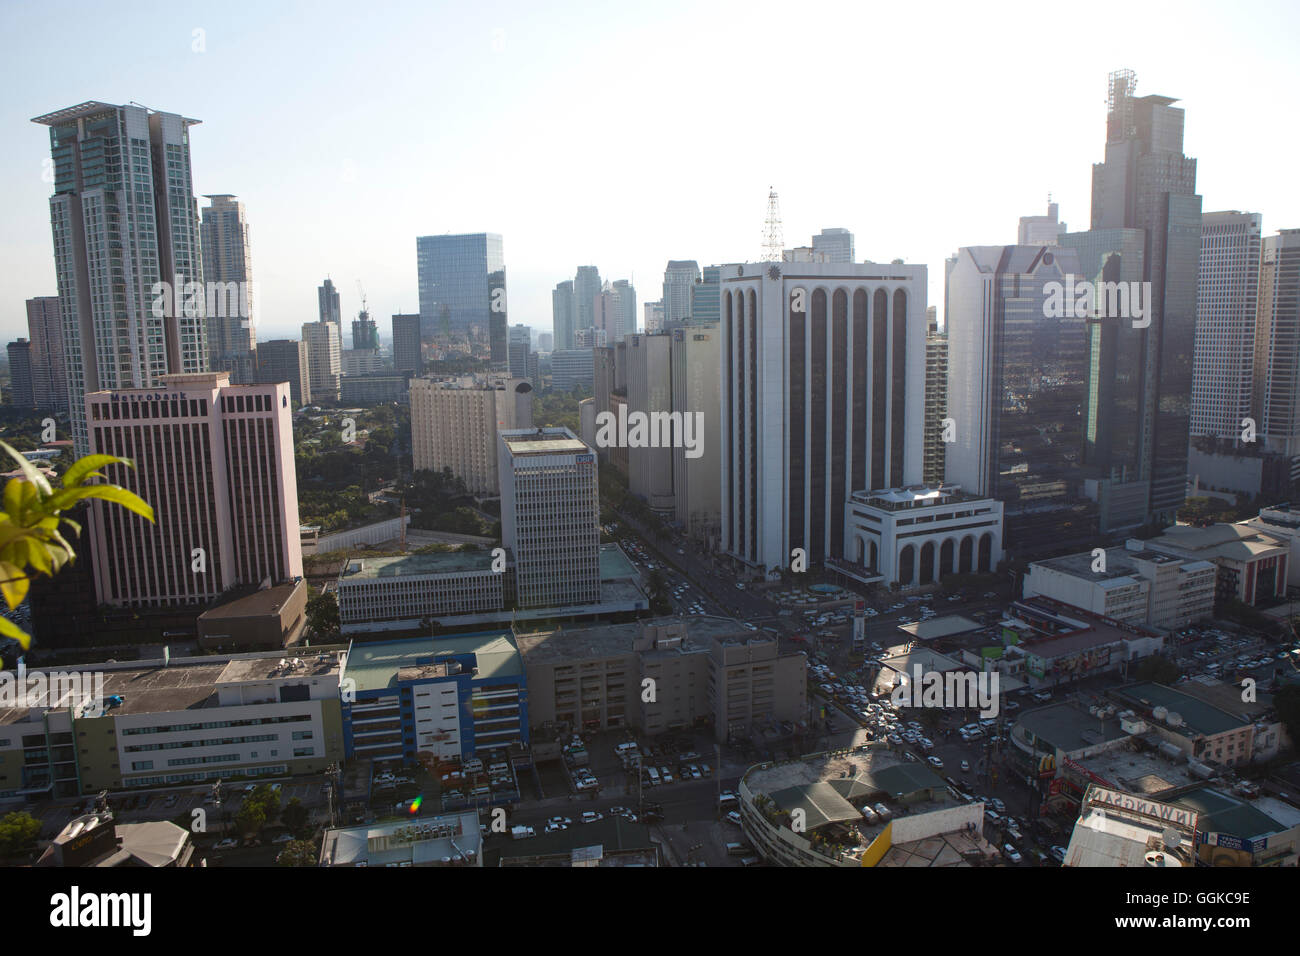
{"type": "Point", "coordinates": [625, 135]}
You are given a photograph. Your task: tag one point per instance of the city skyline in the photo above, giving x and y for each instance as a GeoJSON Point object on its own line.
{"type": "Point", "coordinates": [708, 208]}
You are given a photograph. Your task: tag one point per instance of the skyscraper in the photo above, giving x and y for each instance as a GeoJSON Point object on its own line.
{"type": "Point", "coordinates": [1017, 379]}
{"type": "Point", "coordinates": [679, 285]}
{"type": "Point", "coordinates": [624, 310]}
{"type": "Point", "coordinates": [462, 287]}
{"type": "Point", "coordinates": [45, 330]}
{"type": "Point", "coordinates": [327, 298]}
{"type": "Point", "coordinates": [1147, 183]}
{"type": "Point", "coordinates": [833, 245]}
{"type": "Point", "coordinates": [285, 360]}
{"type": "Point", "coordinates": [704, 298]}
{"type": "Point", "coordinates": [519, 341]}
{"type": "Point", "coordinates": [365, 334]}
{"type": "Point", "coordinates": [550, 516]}
{"type": "Point", "coordinates": [1226, 301]}
{"type": "Point", "coordinates": [324, 359]}
{"type": "Point", "coordinates": [586, 286]}
{"type": "Point", "coordinates": [455, 426]}
{"type": "Point", "coordinates": [654, 317]}
{"type": "Point", "coordinates": [1278, 350]}
{"type": "Point", "coordinates": [124, 219]}
{"type": "Point", "coordinates": [697, 473]}
{"type": "Point", "coordinates": [823, 387]}
{"type": "Point", "coordinates": [1040, 230]}
{"type": "Point", "coordinates": [563, 315]}
{"type": "Point", "coordinates": [227, 261]}
{"type": "Point", "coordinates": [216, 462]}
{"type": "Point", "coordinates": [650, 391]}
{"type": "Point", "coordinates": [936, 399]}
{"type": "Point", "coordinates": [407, 356]}
{"type": "Point", "coordinates": [21, 392]}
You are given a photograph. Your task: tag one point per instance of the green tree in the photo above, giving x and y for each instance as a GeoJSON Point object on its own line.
{"type": "Point", "coordinates": [298, 853]}
{"type": "Point", "coordinates": [251, 818]}
{"type": "Point", "coordinates": [294, 816]}
{"type": "Point", "coordinates": [18, 833]}
{"type": "Point", "coordinates": [30, 524]}
{"type": "Point", "coordinates": [1158, 669]}
{"type": "Point", "coordinates": [323, 613]}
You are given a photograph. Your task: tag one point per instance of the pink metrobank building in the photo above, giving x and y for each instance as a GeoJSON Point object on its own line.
{"type": "Point", "coordinates": [215, 461]}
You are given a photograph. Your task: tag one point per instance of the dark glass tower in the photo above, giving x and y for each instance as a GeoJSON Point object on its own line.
{"type": "Point", "coordinates": [1147, 183]}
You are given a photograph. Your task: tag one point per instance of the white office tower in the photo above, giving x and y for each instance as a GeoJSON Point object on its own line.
{"type": "Point", "coordinates": [650, 391]}
{"type": "Point", "coordinates": [1041, 230]}
{"type": "Point", "coordinates": [228, 269]}
{"type": "Point", "coordinates": [324, 359]}
{"type": "Point", "coordinates": [697, 475]}
{"type": "Point", "coordinates": [124, 219]}
{"type": "Point", "coordinates": [454, 425]}
{"type": "Point", "coordinates": [550, 516]}
{"type": "Point", "coordinates": [1227, 289]}
{"type": "Point", "coordinates": [823, 386]}
{"type": "Point", "coordinates": [1277, 352]}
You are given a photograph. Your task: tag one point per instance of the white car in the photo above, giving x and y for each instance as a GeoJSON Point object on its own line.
{"type": "Point", "coordinates": [229, 843]}
{"type": "Point", "coordinates": [592, 816]}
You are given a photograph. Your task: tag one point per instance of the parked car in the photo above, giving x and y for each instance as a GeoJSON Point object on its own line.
{"type": "Point", "coordinates": [1011, 853]}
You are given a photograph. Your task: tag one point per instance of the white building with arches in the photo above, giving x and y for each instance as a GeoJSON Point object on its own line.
{"type": "Point", "coordinates": [915, 536]}
{"type": "Point", "coordinates": [822, 393]}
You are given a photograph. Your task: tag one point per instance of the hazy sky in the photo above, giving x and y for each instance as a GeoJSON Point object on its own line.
{"type": "Point", "coordinates": [601, 134]}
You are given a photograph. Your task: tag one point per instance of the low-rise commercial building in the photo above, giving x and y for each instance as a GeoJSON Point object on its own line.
{"type": "Point", "coordinates": [1132, 585]}
{"type": "Point", "coordinates": [1252, 563]}
{"type": "Point", "coordinates": [664, 674]}
{"type": "Point", "coordinates": [447, 840]}
{"type": "Point", "coordinates": [448, 698]}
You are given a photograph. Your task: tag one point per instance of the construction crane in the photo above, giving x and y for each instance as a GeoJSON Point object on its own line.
{"type": "Point", "coordinates": [364, 311]}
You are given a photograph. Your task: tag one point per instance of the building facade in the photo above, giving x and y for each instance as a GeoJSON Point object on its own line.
{"type": "Point", "coordinates": [286, 360]}
{"type": "Point", "coordinates": [228, 260]}
{"type": "Point", "coordinates": [124, 219]}
{"type": "Point", "coordinates": [45, 332]}
{"type": "Point", "coordinates": [407, 353]}
{"type": "Point", "coordinates": [823, 386]}
{"type": "Point", "coordinates": [324, 359]}
{"type": "Point", "coordinates": [215, 461]}
{"type": "Point", "coordinates": [454, 425]}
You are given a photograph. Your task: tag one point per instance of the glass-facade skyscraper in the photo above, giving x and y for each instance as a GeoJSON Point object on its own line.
{"type": "Point", "coordinates": [462, 282]}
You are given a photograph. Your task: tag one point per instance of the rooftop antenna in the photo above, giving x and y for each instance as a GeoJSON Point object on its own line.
{"type": "Point", "coordinates": [773, 241]}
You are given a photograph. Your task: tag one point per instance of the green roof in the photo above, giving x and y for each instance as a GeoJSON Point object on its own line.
{"type": "Point", "coordinates": [440, 562]}
{"type": "Point", "coordinates": [905, 779]}
{"type": "Point", "coordinates": [1202, 718]}
{"type": "Point", "coordinates": [614, 564]}
{"type": "Point", "coordinates": [1220, 813]}
{"type": "Point", "coordinates": [374, 665]}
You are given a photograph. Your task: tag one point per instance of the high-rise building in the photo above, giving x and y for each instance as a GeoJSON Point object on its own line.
{"type": "Point", "coordinates": [586, 286]}
{"type": "Point", "coordinates": [605, 312]}
{"type": "Point", "coordinates": [22, 394]}
{"type": "Point", "coordinates": [1147, 183]}
{"type": "Point", "coordinates": [679, 286]}
{"type": "Point", "coordinates": [654, 317]}
{"type": "Point", "coordinates": [650, 392]}
{"type": "Point", "coordinates": [563, 314]}
{"type": "Point", "coordinates": [215, 461]}
{"type": "Point", "coordinates": [697, 471]}
{"type": "Point", "coordinates": [228, 265]}
{"type": "Point", "coordinates": [324, 359]}
{"type": "Point", "coordinates": [833, 245]}
{"type": "Point", "coordinates": [407, 355]}
{"type": "Point", "coordinates": [328, 304]}
{"type": "Point", "coordinates": [286, 360]}
{"type": "Point", "coordinates": [1226, 300]}
{"type": "Point", "coordinates": [45, 332]}
{"type": "Point", "coordinates": [823, 388]}
{"type": "Point", "coordinates": [365, 334]}
{"type": "Point", "coordinates": [1017, 379]}
{"type": "Point", "coordinates": [550, 516]}
{"type": "Point", "coordinates": [624, 310]}
{"type": "Point", "coordinates": [124, 219]}
{"type": "Point", "coordinates": [589, 339]}
{"type": "Point", "coordinates": [463, 288]}
{"type": "Point", "coordinates": [454, 425]}
{"type": "Point", "coordinates": [571, 368]}
{"type": "Point", "coordinates": [704, 298]}
{"type": "Point", "coordinates": [545, 342]}
{"type": "Point", "coordinates": [519, 347]}
{"type": "Point", "coordinates": [1278, 349]}
{"type": "Point", "coordinates": [1041, 230]}
{"type": "Point", "coordinates": [602, 385]}
{"type": "Point", "coordinates": [936, 399]}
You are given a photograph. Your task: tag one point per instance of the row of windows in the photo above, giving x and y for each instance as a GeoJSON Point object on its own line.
{"type": "Point", "coordinates": [214, 724]}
